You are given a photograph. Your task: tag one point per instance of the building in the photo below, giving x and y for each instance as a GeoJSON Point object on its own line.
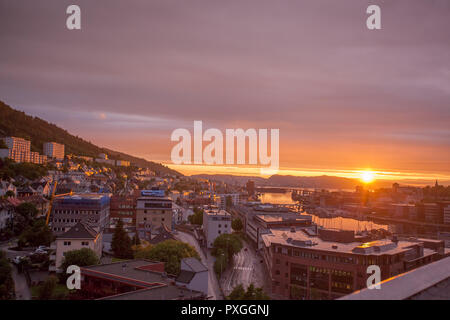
{"type": "Point", "coordinates": [133, 280]}
{"type": "Point", "coordinates": [92, 209]}
{"type": "Point", "coordinates": [122, 163]}
{"type": "Point", "coordinates": [54, 150]}
{"type": "Point", "coordinates": [193, 275]}
{"type": "Point", "coordinates": [330, 264]}
{"type": "Point", "coordinates": [430, 282]}
{"type": "Point", "coordinates": [431, 212]}
{"type": "Point", "coordinates": [235, 199]}
{"type": "Point", "coordinates": [153, 209]}
{"type": "Point", "coordinates": [124, 208]}
{"type": "Point", "coordinates": [404, 211]}
{"type": "Point", "coordinates": [19, 150]}
{"type": "Point", "coordinates": [250, 186]}
{"type": "Point", "coordinates": [215, 223]}
{"type": "Point", "coordinates": [447, 214]}
{"type": "Point", "coordinates": [78, 237]}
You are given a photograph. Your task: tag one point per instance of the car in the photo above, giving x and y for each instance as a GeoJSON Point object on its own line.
{"type": "Point", "coordinates": [40, 251]}
{"type": "Point", "coordinates": [44, 248]}
{"type": "Point", "coordinates": [17, 259]}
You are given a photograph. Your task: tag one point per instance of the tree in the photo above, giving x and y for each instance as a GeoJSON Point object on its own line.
{"type": "Point", "coordinates": [26, 212]}
{"type": "Point", "coordinates": [121, 242]}
{"type": "Point", "coordinates": [228, 243]}
{"type": "Point", "coordinates": [82, 257]}
{"type": "Point", "coordinates": [9, 194]}
{"type": "Point", "coordinates": [136, 241]}
{"type": "Point", "coordinates": [38, 234]}
{"type": "Point", "coordinates": [252, 293]}
{"type": "Point", "coordinates": [221, 262]}
{"type": "Point", "coordinates": [47, 290]}
{"type": "Point", "coordinates": [237, 225]}
{"type": "Point", "coordinates": [197, 217]}
{"type": "Point", "coordinates": [6, 280]}
{"type": "Point", "coordinates": [170, 252]}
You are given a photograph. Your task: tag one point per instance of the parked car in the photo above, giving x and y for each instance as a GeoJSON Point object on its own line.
{"type": "Point", "coordinates": [40, 251]}
{"type": "Point", "coordinates": [17, 260]}
{"type": "Point", "coordinates": [44, 248]}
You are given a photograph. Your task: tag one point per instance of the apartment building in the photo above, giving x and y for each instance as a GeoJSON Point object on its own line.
{"type": "Point", "coordinates": [215, 223]}
{"type": "Point", "coordinates": [153, 209]}
{"type": "Point", "coordinates": [77, 237]}
{"type": "Point", "coordinates": [91, 209]}
{"type": "Point", "coordinates": [328, 265]}
{"type": "Point", "coordinates": [54, 150]}
{"type": "Point", "coordinates": [19, 150]}
{"type": "Point", "coordinates": [123, 207]}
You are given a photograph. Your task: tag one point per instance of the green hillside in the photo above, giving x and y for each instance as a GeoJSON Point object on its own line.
{"type": "Point", "coordinates": [18, 124]}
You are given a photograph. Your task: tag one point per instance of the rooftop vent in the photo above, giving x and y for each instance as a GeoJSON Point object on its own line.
{"type": "Point", "coordinates": [293, 229]}
{"type": "Point", "coordinates": [334, 246]}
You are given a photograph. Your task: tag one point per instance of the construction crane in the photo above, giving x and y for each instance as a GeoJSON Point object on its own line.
{"type": "Point", "coordinates": [52, 197]}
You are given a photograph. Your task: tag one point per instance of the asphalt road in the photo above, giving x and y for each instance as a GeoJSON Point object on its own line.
{"type": "Point", "coordinates": [213, 285]}
{"type": "Point", "coordinates": [247, 268]}
{"type": "Point", "coordinates": [21, 287]}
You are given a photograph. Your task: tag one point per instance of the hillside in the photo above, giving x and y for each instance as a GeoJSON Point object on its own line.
{"type": "Point", "coordinates": [18, 124]}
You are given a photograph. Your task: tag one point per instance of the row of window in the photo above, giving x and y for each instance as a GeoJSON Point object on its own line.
{"type": "Point", "coordinates": [83, 243]}
{"type": "Point", "coordinates": [76, 211]}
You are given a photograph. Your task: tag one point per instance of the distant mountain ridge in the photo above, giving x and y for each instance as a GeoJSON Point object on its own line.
{"type": "Point", "coordinates": [19, 124]}
{"type": "Point", "coordinates": [320, 182]}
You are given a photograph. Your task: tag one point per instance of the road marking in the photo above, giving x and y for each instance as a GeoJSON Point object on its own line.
{"type": "Point", "coordinates": [243, 268]}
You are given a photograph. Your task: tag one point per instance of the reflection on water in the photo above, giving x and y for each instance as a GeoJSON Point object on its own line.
{"type": "Point", "coordinates": [337, 222]}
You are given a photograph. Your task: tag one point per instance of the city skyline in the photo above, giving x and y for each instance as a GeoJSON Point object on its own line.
{"type": "Point", "coordinates": [345, 99]}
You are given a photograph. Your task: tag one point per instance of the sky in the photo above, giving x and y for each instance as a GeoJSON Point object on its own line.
{"type": "Point", "coordinates": [345, 98]}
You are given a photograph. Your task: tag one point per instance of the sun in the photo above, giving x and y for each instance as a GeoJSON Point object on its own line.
{"type": "Point", "coordinates": [367, 176]}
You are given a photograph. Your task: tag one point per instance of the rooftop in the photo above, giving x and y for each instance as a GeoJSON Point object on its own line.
{"type": "Point", "coordinates": [79, 231]}
{"type": "Point", "coordinates": [431, 281]}
{"type": "Point", "coordinates": [301, 239]}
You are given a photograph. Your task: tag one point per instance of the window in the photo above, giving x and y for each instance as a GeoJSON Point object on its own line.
{"type": "Point", "coordinates": [84, 243]}
{"type": "Point", "coordinates": [67, 243]}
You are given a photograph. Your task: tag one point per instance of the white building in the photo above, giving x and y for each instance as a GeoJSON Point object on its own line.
{"type": "Point", "coordinates": [78, 237]}
{"type": "Point", "coordinates": [54, 150]}
{"type": "Point", "coordinates": [193, 275]}
{"type": "Point", "coordinates": [215, 223]}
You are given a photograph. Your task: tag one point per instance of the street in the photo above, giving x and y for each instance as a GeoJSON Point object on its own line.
{"type": "Point", "coordinates": [213, 285]}
{"type": "Point", "coordinates": [20, 283]}
{"type": "Point", "coordinates": [246, 269]}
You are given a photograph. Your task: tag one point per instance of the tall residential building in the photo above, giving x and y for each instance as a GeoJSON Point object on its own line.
{"type": "Point", "coordinates": [91, 209]}
{"type": "Point", "coordinates": [215, 223]}
{"type": "Point", "coordinates": [153, 209]}
{"type": "Point", "coordinates": [54, 150]}
{"type": "Point", "coordinates": [19, 150]}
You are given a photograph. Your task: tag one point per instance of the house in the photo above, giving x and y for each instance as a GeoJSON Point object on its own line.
{"type": "Point", "coordinates": [161, 234]}
{"type": "Point", "coordinates": [193, 275]}
{"type": "Point", "coordinates": [6, 186]}
{"type": "Point", "coordinates": [78, 237]}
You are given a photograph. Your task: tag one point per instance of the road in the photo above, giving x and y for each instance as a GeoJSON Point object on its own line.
{"type": "Point", "coordinates": [20, 283]}
{"type": "Point", "coordinates": [213, 285]}
{"type": "Point", "coordinates": [247, 268]}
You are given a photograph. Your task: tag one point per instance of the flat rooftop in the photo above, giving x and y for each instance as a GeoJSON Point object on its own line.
{"type": "Point", "coordinates": [300, 239]}
{"type": "Point", "coordinates": [159, 293]}
{"type": "Point", "coordinates": [217, 212]}
{"type": "Point", "coordinates": [128, 272]}
{"type": "Point", "coordinates": [282, 217]}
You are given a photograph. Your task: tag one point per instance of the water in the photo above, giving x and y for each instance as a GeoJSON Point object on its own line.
{"type": "Point", "coordinates": [336, 222]}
